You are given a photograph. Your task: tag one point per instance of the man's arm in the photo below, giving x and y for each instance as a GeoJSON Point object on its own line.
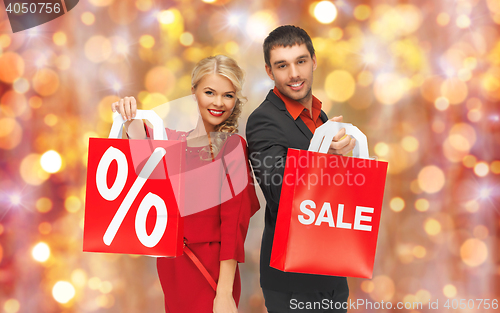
{"type": "Point", "coordinates": [267, 146]}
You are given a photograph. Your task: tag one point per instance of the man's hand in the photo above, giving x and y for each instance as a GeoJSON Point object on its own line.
{"type": "Point", "coordinates": [127, 107]}
{"type": "Point", "coordinates": [341, 146]}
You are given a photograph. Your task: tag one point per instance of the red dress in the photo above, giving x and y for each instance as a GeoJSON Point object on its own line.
{"type": "Point", "coordinates": [216, 217]}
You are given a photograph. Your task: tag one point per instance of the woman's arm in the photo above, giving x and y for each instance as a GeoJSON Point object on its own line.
{"type": "Point", "coordinates": [224, 301]}
{"type": "Point", "coordinates": [127, 107]}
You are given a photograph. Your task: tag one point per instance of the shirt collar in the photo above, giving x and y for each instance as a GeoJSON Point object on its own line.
{"type": "Point", "coordinates": [294, 107]}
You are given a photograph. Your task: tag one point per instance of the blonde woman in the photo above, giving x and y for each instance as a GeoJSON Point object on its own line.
{"type": "Point", "coordinates": [206, 277]}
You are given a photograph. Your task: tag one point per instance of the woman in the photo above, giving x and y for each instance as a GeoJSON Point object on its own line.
{"type": "Point", "coordinates": [214, 231]}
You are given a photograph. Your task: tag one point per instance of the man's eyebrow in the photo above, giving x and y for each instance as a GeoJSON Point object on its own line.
{"type": "Point", "coordinates": [279, 62]}
{"type": "Point", "coordinates": [303, 56]}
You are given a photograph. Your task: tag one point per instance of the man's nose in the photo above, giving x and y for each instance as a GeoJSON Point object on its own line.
{"type": "Point", "coordinates": [294, 71]}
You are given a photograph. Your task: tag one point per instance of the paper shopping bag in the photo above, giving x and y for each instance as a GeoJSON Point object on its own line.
{"type": "Point", "coordinates": [329, 211]}
{"type": "Point", "coordinates": [133, 192]}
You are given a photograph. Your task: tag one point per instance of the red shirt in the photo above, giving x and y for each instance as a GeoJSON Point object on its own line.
{"type": "Point", "coordinates": [296, 109]}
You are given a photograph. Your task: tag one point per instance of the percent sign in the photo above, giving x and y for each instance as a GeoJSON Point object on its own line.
{"type": "Point", "coordinates": [147, 203]}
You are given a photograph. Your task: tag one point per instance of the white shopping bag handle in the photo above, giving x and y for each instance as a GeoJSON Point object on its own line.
{"type": "Point", "coordinates": [324, 134]}
{"type": "Point", "coordinates": [159, 132]}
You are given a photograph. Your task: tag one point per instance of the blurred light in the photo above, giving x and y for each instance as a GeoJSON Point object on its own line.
{"type": "Point", "coordinates": [231, 47]}
{"type": "Point", "coordinates": [410, 143]}
{"type": "Point", "coordinates": [464, 74]}
{"type": "Point", "coordinates": [45, 82]}
{"type": "Point", "coordinates": [4, 41]}
{"type": "Point", "coordinates": [51, 161]}
{"type": "Point", "coordinates": [106, 287]}
{"type": "Point", "coordinates": [454, 90]}
{"type": "Point", "coordinates": [59, 38]}
{"type": "Point", "coordinates": [186, 39]}
{"type": "Point", "coordinates": [79, 277]}
{"type": "Point", "coordinates": [485, 193]}
{"type": "Point", "coordinates": [35, 102]}
{"type": "Point", "coordinates": [43, 205]}
{"type": "Point", "coordinates": [469, 161]}
{"type": "Point", "coordinates": [472, 206]}
{"type": "Point", "coordinates": [41, 252]}
{"type": "Point", "coordinates": [473, 252]}
{"type": "Point", "coordinates": [481, 169]}
{"type": "Point", "coordinates": [144, 5]}
{"type": "Point", "coordinates": [463, 21]}
{"type": "Point", "coordinates": [384, 288]}
{"type": "Point", "coordinates": [362, 12]}
{"type": "Point", "coordinates": [441, 103]}
{"type": "Point", "coordinates": [260, 24]}
{"type": "Point", "coordinates": [72, 204]}
{"type": "Point", "coordinates": [116, 86]}
{"type": "Point", "coordinates": [431, 179]}
{"type": "Point", "coordinates": [209, 1]}
{"type": "Point", "coordinates": [147, 41]}
{"type": "Point", "coordinates": [389, 88]}
{"type": "Point", "coordinates": [381, 149]}
{"type": "Point", "coordinates": [423, 296]}
{"type": "Point", "coordinates": [495, 167]}
{"type": "Point", "coordinates": [101, 3]}
{"type": "Point", "coordinates": [87, 18]}
{"type": "Point", "coordinates": [11, 306]}
{"type": "Point", "coordinates": [336, 33]}
{"type": "Point", "coordinates": [432, 226]}
{"type": "Point", "coordinates": [233, 20]}
{"type": "Point", "coordinates": [474, 115]}
{"type": "Point", "coordinates": [166, 17]}
{"type": "Point", "coordinates": [325, 12]}
{"type": "Point", "coordinates": [443, 19]}
{"type": "Point", "coordinates": [50, 119]}
{"type": "Point", "coordinates": [367, 286]}
{"type": "Point", "coordinates": [63, 291]}
{"type": "Point", "coordinates": [44, 228]}
{"type": "Point", "coordinates": [422, 205]}
{"type": "Point", "coordinates": [31, 170]}
{"type": "Point", "coordinates": [481, 232]}
{"type": "Point", "coordinates": [365, 78]}
{"type": "Point", "coordinates": [397, 204]}
{"type": "Point", "coordinates": [98, 49]}
{"type": "Point", "coordinates": [94, 283]}
{"type": "Point", "coordinates": [21, 85]}
{"type": "Point", "coordinates": [11, 67]}
{"type": "Point", "coordinates": [449, 291]}
{"type": "Point", "coordinates": [340, 85]}
{"type": "Point", "coordinates": [15, 199]}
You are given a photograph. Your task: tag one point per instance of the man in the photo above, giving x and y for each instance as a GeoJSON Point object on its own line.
{"type": "Point", "coordinates": [286, 119]}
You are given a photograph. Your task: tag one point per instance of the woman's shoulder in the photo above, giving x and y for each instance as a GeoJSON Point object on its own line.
{"type": "Point", "coordinates": [173, 134]}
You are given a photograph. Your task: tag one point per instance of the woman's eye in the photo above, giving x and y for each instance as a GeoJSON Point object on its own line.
{"type": "Point", "coordinates": [230, 96]}
{"type": "Point", "coordinates": [209, 93]}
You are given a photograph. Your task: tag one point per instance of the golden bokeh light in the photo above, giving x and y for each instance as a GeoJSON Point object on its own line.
{"type": "Point", "coordinates": [31, 170]}
{"type": "Point", "coordinates": [144, 5]}
{"type": "Point", "coordinates": [410, 143]}
{"type": "Point", "coordinates": [463, 21]}
{"type": "Point", "coordinates": [381, 149]}
{"type": "Point", "coordinates": [40, 252]}
{"type": "Point", "coordinates": [79, 277]}
{"type": "Point", "coordinates": [362, 12]}
{"type": "Point", "coordinates": [384, 288]}
{"type": "Point", "coordinates": [469, 161]}
{"type": "Point", "coordinates": [441, 103]}
{"type": "Point", "coordinates": [397, 204]}
{"type": "Point", "coordinates": [147, 41]}
{"type": "Point", "coordinates": [11, 67]}
{"type": "Point", "coordinates": [431, 179]}
{"type": "Point", "coordinates": [186, 39]}
{"type": "Point", "coordinates": [260, 24]}
{"type": "Point", "coordinates": [43, 205]}
{"type": "Point", "coordinates": [98, 49]}
{"type": "Point", "coordinates": [481, 232]}
{"type": "Point", "coordinates": [473, 252]}
{"type": "Point", "coordinates": [432, 226]}
{"type": "Point", "coordinates": [59, 38]}
{"type": "Point", "coordinates": [72, 204]}
{"type": "Point", "coordinates": [44, 228]}
{"type": "Point", "coordinates": [45, 82]}
{"type": "Point", "coordinates": [11, 306]}
{"type": "Point", "coordinates": [325, 12]}
{"type": "Point", "coordinates": [389, 88]}
{"type": "Point", "coordinates": [63, 291]}
{"type": "Point", "coordinates": [367, 286]}
{"type": "Point", "coordinates": [443, 19]}
{"type": "Point", "coordinates": [160, 79]}
{"type": "Point", "coordinates": [51, 161]}
{"type": "Point", "coordinates": [449, 291]}
{"type": "Point", "coordinates": [422, 205]}
{"type": "Point", "coordinates": [495, 167]}
{"type": "Point", "coordinates": [454, 90]}
{"type": "Point", "coordinates": [481, 169]}
{"type": "Point", "coordinates": [340, 85]}
{"type": "Point", "coordinates": [4, 41]}
{"type": "Point", "coordinates": [88, 18]}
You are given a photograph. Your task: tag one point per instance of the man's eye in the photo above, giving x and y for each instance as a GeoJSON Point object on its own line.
{"type": "Point", "coordinates": [282, 66]}
{"type": "Point", "coordinates": [302, 61]}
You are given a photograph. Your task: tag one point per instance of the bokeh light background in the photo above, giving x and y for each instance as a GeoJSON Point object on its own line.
{"type": "Point", "coordinates": [420, 78]}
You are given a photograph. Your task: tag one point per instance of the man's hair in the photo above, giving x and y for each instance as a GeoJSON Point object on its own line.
{"type": "Point", "coordinates": [286, 36]}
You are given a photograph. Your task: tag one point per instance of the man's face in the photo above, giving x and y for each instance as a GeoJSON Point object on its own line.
{"type": "Point", "coordinates": [292, 71]}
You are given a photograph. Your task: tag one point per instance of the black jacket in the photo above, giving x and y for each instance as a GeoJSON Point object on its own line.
{"type": "Point", "coordinates": [270, 131]}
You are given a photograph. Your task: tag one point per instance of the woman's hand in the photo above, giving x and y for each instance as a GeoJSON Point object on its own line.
{"type": "Point", "coordinates": [127, 107]}
{"type": "Point", "coordinates": [224, 303]}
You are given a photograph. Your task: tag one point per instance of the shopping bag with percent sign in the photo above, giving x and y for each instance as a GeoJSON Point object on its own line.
{"type": "Point", "coordinates": [133, 193]}
{"type": "Point", "coordinates": [330, 206]}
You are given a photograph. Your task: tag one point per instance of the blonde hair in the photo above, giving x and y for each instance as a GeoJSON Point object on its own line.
{"type": "Point", "coordinates": [228, 68]}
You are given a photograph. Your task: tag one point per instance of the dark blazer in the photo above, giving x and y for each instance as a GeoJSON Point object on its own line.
{"type": "Point", "coordinates": [270, 131]}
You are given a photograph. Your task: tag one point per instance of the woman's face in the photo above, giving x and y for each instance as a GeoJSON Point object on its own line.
{"type": "Point", "coordinates": [216, 97]}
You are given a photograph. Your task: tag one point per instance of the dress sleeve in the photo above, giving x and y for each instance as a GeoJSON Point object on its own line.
{"type": "Point", "coordinates": [238, 199]}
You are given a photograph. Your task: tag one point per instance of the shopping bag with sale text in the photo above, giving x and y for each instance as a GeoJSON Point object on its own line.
{"type": "Point", "coordinates": [133, 193]}
{"type": "Point", "coordinates": [330, 206]}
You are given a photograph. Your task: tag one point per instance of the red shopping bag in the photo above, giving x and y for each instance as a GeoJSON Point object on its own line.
{"type": "Point", "coordinates": [133, 193]}
{"type": "Point", "coordinates": [329, 212]}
